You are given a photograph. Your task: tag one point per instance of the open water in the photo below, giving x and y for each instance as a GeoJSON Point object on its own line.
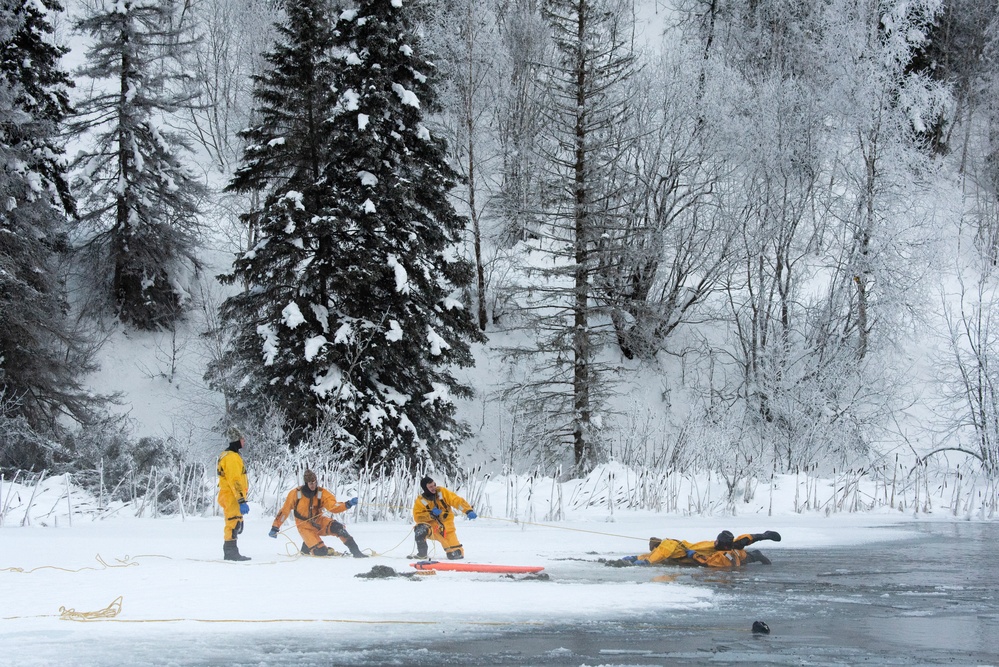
{"type": "Point", "coordinates": [927, 601]}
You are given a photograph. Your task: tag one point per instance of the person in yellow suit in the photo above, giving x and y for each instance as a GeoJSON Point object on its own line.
{"type": "Point", "coordinates": [434, 518]}
{"type": "Point", "coordinates": [233, 487]}
{"type": "Point", "coordinates": [307, 504]}
{"type": "Point", "coordinates": [725, 551]}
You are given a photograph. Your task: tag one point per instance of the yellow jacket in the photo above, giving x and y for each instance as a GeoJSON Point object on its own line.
{"type": "Point", "coordinates": [232, 476]}
{"type": "Point", "coordinates": [445, 500]}
{"type": "Point", "coordinates": [705, 553]}
{"type": "Point", "coordinates": [306, 508]}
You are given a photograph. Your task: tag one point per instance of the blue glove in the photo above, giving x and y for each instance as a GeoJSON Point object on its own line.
{"type": "Point", "coordinates": [350, 503]}
{"type": "Point", "coordinates": [630, 559]}
{"type": "Point", "coordinates": [471, 514]}
{"type": "Point", "coordinates": [243, 507]}
{"type": "Point", "coordinates": [436, 512]}
{"type": "Point", "coordinates": [691, 553]}
{"type": "Point", "coordinates": [642, 562]}
{"type": "Point", "coordinates": [273, 533]}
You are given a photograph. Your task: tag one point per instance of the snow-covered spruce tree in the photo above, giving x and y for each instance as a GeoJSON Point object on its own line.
{"type": "Point", "coordinates": [41, 356]}
{"type": "Point", "coordinates": [139, 202]}
{"type": "Point", "coordinates": [349, 313]}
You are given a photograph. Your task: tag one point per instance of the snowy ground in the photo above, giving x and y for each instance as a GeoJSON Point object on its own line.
{"type": "Point", "coordinates": [175, 590]}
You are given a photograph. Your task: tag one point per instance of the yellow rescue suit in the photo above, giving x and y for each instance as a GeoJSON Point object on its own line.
{"type": "Point", "coordinates": [705, 553]}
{"type": "Point", "coordinates": [233, 486]}
{"type": "Point", "coordinates": [307, 508]}
{"type": "Point", "coordinates": [441, 527]}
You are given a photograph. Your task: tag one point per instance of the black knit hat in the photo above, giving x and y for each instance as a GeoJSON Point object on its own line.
{"type": "Point", "coordinates": [724, 540]}
{"type": "Point", "coordinates": [235, 437]}
{"type": "Point", "coordinates": [425, 482]}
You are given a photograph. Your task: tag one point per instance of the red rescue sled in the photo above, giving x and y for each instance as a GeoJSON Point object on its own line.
{"type": "Point", "coordinates": [475, 567]}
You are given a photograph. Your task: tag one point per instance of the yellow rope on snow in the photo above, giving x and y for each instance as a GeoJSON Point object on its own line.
{"type": "Point", "coordinates": [110, 611]}
{"type": "Point", "coordinates": [126, 562]}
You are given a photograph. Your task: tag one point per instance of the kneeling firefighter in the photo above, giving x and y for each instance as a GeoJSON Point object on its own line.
{"type": "Point", "coordinates": [307, 503]}
{"type": "Point", "coordinates": [434, 518]}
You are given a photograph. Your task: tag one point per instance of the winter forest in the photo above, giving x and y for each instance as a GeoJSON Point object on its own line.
{"type": "Point", "coordinates": [698, 239]}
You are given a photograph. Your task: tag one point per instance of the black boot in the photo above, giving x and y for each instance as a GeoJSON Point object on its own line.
{"type": "Point", "coordinates": [754, 556]}
{"type": "Point", "coordinates": [457, 554]}
{"type": "Point", "coordinates": [354, 550]}
{"type": "Point", "coordinates": [231, 552]}
{"type": "Point", "coordinates": [769, 535]}
{"type": "Point", "coordinates": [420, 533]}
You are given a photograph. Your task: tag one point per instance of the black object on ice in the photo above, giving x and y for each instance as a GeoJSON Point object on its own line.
{"type": "Point", "coordinates": [760, 628]}
{"type": "Point", "coordinates": [384, 572]}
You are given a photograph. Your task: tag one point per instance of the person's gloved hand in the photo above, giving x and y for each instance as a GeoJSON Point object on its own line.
{"type": "Point", "coordinates": [435, 511]}
{"type": "Point", "coordinates": [471, 514]}
{"type": "Point", "coordinates": [350, 503]}
{"type": "Point", "coordinates": [630, 559]}
{"type": "Point", "coordinates": [244, 508]}
{"type": "Point", "coordinates": [691, 553]}
{"type": "Point", "coordinates": [772, 535]}
{"type": "Point", "coordinates": [639, 561]}
{"type": "Point", "coordinates": [273, 533]}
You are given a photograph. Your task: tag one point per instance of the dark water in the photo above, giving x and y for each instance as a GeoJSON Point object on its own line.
{"type": "Point", "coordinates": [929, 601]}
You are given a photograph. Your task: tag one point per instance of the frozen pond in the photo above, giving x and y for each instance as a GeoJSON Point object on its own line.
{"type": "Point", "coordinates": [927, 599]}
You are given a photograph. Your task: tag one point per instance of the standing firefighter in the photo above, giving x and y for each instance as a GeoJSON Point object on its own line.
{"type": "Point", "coordinates": [233, 487]}
{"type": "Point", "coordinates": [307, 503]}
{"type": "Point", "coordinates": [435, 520]}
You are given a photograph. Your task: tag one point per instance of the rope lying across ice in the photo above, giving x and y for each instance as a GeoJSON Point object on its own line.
{"type": "Point", "coordinates": [577, 530]}
{"type": "Point", "coordinates": [109, 615]}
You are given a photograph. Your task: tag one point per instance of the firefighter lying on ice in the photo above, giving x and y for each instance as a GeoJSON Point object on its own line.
{"type": "Point", "coordinates": [725, 551]}
{"type": "Point", "coordinates": [307, 503]}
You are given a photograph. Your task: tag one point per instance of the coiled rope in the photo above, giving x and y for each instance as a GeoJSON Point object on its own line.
{"type": "Point", "coordinates": [110, 611]}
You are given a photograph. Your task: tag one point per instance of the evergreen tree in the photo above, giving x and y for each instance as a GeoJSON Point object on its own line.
{"type": "Point", "coordinates": [349, 314]}
{"type": "Point", "coordinates": [40, 355]}
{"type": "Point", "coordinates": [139, 203]}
